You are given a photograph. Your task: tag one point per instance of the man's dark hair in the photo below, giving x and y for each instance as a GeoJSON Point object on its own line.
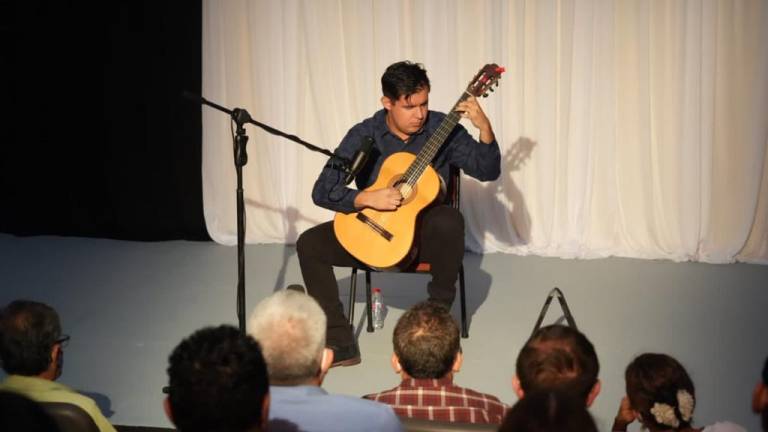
{"type": "Point", "coordinates": [560, 358]}
{"type": "Point", "coordinates": [217, 381]}
{"type": "Point", "coordinates": [656, 378]}
{"type": "Point", "coordinates": [548, 411]}
{"type": "Point", "coordinates": [426, 340]}
{"type": "Point", "coordinates": [28, 331]}
{"type": "Point", "coordinates": [403, 79]}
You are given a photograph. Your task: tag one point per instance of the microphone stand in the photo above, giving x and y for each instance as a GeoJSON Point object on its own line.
{"type": "Point", "coordinates": [241, 117]}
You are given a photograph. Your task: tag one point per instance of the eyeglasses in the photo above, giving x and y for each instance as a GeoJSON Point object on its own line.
{"type": "Point", "coordinates": [63, 341]}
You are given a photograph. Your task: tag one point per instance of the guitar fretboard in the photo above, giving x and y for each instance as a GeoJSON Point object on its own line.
{"type": "Point", "coordinates": [428, 152]}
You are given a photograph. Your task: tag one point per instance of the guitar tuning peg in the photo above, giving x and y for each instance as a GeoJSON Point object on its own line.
{"type": "Point", "coordinates": [485, 94]}
{"type": "Point", "coordinates": [492, 89]}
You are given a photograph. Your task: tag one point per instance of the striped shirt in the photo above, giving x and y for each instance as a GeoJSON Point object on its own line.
{"type": "Point", "coordinates": [441, 400]}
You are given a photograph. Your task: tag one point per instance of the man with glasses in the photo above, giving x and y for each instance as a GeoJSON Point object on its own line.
{"type": "Point", "coordinates": [32, 354]}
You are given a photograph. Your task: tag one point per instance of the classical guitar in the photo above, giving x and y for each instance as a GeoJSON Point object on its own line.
{"type": "Point", "coordinates": [385, 239]}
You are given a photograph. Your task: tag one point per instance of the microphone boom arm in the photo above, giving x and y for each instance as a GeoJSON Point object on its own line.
{"type": "Point", "coordinates": [241, 116]}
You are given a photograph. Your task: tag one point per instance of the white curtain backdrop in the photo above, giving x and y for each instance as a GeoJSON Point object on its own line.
{"type": "Point", "coordinates": [627, 128]}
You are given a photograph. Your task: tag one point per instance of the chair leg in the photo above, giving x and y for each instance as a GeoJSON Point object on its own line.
{"type": "Point", "coordinates": [352, 293]}
{"type": "Point", "coordinates": [368, 302]}
{"type": "Point", "coordinates": [463, 301]}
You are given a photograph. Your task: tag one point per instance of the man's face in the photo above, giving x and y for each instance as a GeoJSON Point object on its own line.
{"type": "Point", "coordinates": [408, 114]}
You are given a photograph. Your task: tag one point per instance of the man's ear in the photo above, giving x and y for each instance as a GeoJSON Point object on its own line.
{"type": "Point", "coordinates": [457, 362]}
{"type": "Point", "coordinates": [593, 393]}
{"type": "Point", "coordinates": [760, 398]}
{"type": "Point", "coordinates": [55, 353]}
{"type": "Point", "coordinates": [326, 361]}
{"type": "Point", "coordinates": [265, 411]}
{"type": "Point", "coordinates": [56, 365]}
{"type": "Point", "coordinates": [387, 103]}
{"type": "Point", "coordinates": [517, 387]}
{"type": "Point", "coordinates": [167, 409]}
{"type": "Point", "coordinates": [395, 362]}
{"type": "Point", "coordinates": [763, 397]}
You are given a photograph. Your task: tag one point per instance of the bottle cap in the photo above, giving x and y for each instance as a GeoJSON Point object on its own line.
{"type": "Point", "coordinates": [377, 290]}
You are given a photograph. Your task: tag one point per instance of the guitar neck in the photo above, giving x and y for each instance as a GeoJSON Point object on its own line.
{"type": "Point", "coordinates": [428, 152]}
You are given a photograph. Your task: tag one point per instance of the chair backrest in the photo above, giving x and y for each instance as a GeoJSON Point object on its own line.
{"type": "Point", "coordinates": [70, 417]}
{"type": "Point", "coordinates": [419, 425]}
{"type": "Point", "coordinates": [121, 428]}
{"type": "Point", "coordinates": [454, 187]}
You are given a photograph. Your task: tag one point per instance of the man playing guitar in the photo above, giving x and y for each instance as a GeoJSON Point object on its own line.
{"type": "Point", "coordinates": [404, 125]}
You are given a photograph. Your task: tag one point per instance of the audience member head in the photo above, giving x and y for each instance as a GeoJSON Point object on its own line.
{"type": "Point", "coordinates": [217, 380]}
{"type": "Point", "coordinates": [290, 326]}
{"type": "Point", "coordinates": [18, 413]}
{"type": "Point", "coordinates": [426, 342]}
{"type": "Point", "coordinates": [30, 340]}
{"type": "Point", "coordinates": [403, 79]}
{"type": "Point", "coordinates": [660, 392]}
{"type": "Point", "coordinates": [548, 411]}
{"type": "Point", "coordinates": [760, 397]}
{"type": "Point", "coordinates": [559, 358]}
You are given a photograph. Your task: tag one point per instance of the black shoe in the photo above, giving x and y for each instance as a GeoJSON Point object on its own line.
{"type": "Point", "coordinates": [346, 355]}
{"type": "Point", "coordinates": [442, 302]}
{"type": "Point", "coordinates": [297, 288]}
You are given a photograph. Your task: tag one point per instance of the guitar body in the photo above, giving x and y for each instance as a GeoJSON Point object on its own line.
{"type": "Point", "coordinates": [384, 239]}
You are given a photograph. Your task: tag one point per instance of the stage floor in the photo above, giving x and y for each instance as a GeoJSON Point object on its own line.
{"type": "Point", "coordinates": [127, 304]}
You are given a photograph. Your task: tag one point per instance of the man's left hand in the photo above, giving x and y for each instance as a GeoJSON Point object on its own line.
{"type": "Point", "coordinates": [471, 109]}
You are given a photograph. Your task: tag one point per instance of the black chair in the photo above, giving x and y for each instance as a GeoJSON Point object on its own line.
{"type": "Point", "coordinates": [122, 428]}
{"type": "Point", "coordinates": [418, 425]}
{"type": "Point", "coordinates": [454, 195]}
{"type": "Point", "coordinates": [70, 417]}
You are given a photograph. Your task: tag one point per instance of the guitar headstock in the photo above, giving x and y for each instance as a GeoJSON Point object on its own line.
{"type": "Point", "coordinates": [485, 79]}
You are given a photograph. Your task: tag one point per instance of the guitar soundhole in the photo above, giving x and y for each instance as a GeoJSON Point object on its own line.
{"type": "Point", "coordinates": [409, 192]}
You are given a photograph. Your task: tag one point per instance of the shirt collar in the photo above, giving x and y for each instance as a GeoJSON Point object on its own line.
{"type": "Point", "coordinates": [306, 390]}
{"type": "Point", "coordinates": [33, 382]}
{"type": "Point", "coordinates": [428, 382]}
{"type": "Point", "coordinates": [381, 129]}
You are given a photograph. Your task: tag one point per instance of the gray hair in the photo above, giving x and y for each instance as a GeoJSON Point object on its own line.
{"type": "Point", "coordinates": [290, 327]}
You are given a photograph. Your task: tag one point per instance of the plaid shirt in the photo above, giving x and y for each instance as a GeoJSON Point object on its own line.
{"type": "Point", "coordinates": [441, 400]}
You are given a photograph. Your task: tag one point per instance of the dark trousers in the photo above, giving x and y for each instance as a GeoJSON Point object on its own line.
{"type": "Point", "coordinates": [440, 243]}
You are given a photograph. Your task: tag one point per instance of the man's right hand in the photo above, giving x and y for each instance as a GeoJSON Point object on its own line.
{"type": "Point", "coordinates": [379, 199]}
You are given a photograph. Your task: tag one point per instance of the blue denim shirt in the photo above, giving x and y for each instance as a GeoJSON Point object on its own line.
{"type": "Point", "coordinates": [479, 160]}
{"type": "Point", "coordinates": [309, 408]}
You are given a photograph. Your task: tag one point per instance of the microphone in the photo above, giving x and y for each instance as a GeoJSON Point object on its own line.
{"type": "Point", "coordinates": [359, 159]}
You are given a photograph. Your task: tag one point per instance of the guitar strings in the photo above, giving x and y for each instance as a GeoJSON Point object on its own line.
{"type": "Point", "coordinates": [424, 158]}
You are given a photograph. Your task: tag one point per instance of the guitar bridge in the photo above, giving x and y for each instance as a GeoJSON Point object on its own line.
{"type": "Point", "coordinates": [374, 226]}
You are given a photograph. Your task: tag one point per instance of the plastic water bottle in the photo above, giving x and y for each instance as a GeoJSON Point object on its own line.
{"type": "Point", "coordinates": [377, 306]}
